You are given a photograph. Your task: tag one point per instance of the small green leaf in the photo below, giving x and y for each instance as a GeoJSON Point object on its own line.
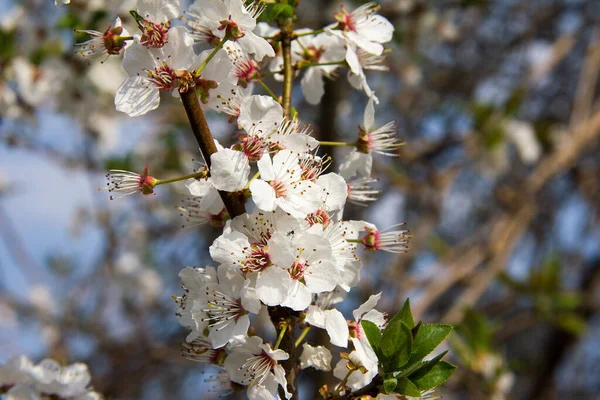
{"type": "Point", "coordinates": [438, 375]}
{"type": "Point", "coordinates": [428, 338]}
{"type": "Point", "coordinates": [279, 10]}
{"type": "Point", "coordinates": [396, 345]}
{"type": "Point", "coordinates": [421, 369]}
{"type": "Point", "coordinates": [415, 330]}
{"type": "Point", "coordinates": [407, 388]}
{"type": "Point", "coordinates": [389, 385]}
{"type": "Point", "coordinates": [373, 333]}
{"type": "Point", "coordinates": [405, 315]}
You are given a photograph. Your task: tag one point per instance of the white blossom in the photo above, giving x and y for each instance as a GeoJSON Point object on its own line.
{"type": "Point", "coordinates": [281, 185]}
{"type": "Point", "coordinates": [317, 357]}
{"type": "Point", "coordinates": [363, 28]}
{"type": "Point", "coordinates": [153, 71]}
{"type": "Point", "coordinates": [231, 17]}
{"type": "Point", "coordinates": [254, 364]}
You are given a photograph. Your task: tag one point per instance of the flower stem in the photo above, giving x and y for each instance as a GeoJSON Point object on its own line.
{"type": "Point", "coordinates": [315, 32]}
{"type": "Point", "coordinates": [354, 241]}
{"type": "Point", "coordinates": [180, 178]}
{"type": "Point", "coordinates": [302, 335]}
{"type": "Point", "coordinates": [281, 333]}
{"type": "Point", "coordinates": [251, 179]}
{"type": "Point", "coordinates": [269, 91]}
{"type": "Point", "coordinates": [342, 384]}
{"type": "Point", "coordinates": [324, 143]}
{"type": "Point", "coordinates": [318, 64]}
{"type": "Point", "coordinates": [234, 201]}
{"type": "Point", "coordinates": [210, 56]}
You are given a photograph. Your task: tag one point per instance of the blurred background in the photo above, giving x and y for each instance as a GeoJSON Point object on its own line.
{"type": "Point", "coordinates": [499, 181]}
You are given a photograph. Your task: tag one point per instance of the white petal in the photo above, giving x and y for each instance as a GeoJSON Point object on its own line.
{"type": "Point", "coordinates": [322, 276]}
{"type": "Point", "coordinates": [158, 10]}
{"type": "Point", "coordinates": [312, 85]}
{"type": "Point", "coordinates": [263, 195]}
{"type": "Point", "coordinates": [281, 250]}
{"type": "Point", "coordinates": [249, 298]}
{"type": "Point", "coordinates": [279, 373]}
{"type": "Point", "coordinates": [265, 167]}
{"type": "Point", "coordinates": [356, 163]}
{"type": "Point", "coordinates": [366, 306]}
{"type": "Point", "coordinates": [137, 59]}
{"type": "Point", "coordinates": [273, 285]}
{"type": "Point", "coordinates": [317, 357]}
{"type": "Point", "coordinates": [213, 10]}
{"type": "Point", "coordinates": [260, 113]}
{"type": "Point", "coordinates": [229, 170]}
{"type": "Point", "coordinates": [353, 62]}
{"type": "Point", "coordinates": [256, 45]}
{"type": "Point", "coordinates": [136, 96]}
{"type": "Point", "coordinates": [365, 353]}
{"type": "Point", "coordinates": [299, 297]}
{"type": "Point", "coordinates": [337, 328]}
{"type": "Point", "coordinates": [178, 52]}
{"type": "Point", "coordinates": [316, 317]}
{"type": "Point", "coordinates": [363, 43]}
{"type": "Point", "coordinates": [378, 29]}
{"type": "Point", "coordinates": [335, 190]}
{"type": "Point", "coordinates": [369, 117]}
{"type": "Point", "coordinates": [228, 248]}
{"type": "Point", "coordinates": [376, 317]}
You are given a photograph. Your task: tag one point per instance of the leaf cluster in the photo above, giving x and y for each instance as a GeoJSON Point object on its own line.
{"type": "Point", "coordinates": [401, 348]}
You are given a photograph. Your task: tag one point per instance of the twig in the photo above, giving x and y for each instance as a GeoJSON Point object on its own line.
{"type": "Point", "coordinates": [234, 201]}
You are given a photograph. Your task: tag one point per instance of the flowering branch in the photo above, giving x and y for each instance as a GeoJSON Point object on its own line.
{"type": "Point", "coordinates": [234, 201]}
{"type": "Point", "coordinates": [294, 254]}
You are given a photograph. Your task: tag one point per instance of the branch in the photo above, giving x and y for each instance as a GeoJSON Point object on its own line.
{"type": "Point", "coordinates": [288, 70]}
{"type": "Point", "coordinates": [234, 201]}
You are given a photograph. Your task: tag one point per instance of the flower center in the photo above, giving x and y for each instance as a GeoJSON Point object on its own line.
{"type": "Point", "coordinates": [155, 34]}
{"type": "Point", "coordinates": [251, 145]}
{"type": "Point", "coordinates": [297, 270]}
{"type": "Point", "coordinates": [318, 217]}
{"type": "Point", "coordinates": [313, 54]}
{"type": "Point", "coordinates": [257, 258]}
{"type": "Point", "coordinates": [345, 20]}
{"type": "Point", "coordinates": [163, 77]}
{"type": "Point", "coordinates": [246, 70]}
{"type": "Point", "coordinates": [279, 187]}
{"type": "Point", "coordinates": [363, 144]}
{"type": "Point", "coordinates": [257, 368]}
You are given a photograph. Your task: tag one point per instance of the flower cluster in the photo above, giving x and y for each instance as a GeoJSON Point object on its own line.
{"type": "Point", "coordinates": [20, 379]}
{"type": "Point", "coordinates": [293, 256]}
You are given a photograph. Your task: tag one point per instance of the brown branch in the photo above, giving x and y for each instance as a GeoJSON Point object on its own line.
{"type": "Point", "coordinates": [234, 201]}
{"type": "Point", "coordinates": [288, 70]}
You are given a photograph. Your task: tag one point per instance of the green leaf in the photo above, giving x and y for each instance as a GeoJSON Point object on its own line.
{"type": "Point", "coordinates": [405, 315]}
{"type": "Point", "coordinates": [407, 388]}
{"type": "Point", "coordinates": [396, 345]}
{"type": "Point", "coordinates": [389, 385]}
{"type": "Point", "coordinates": [415, 330]}
{"type": "Point", "coordinates": [428, 338]}
{"type": "Point", "coordinates": [278, 10]}
{"type": "Point", "coordinates": [438, 375]}
{"type": "Point", "coordinates": [421, 369]}
{"type": "Point", "coordinates": [373, 333]}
